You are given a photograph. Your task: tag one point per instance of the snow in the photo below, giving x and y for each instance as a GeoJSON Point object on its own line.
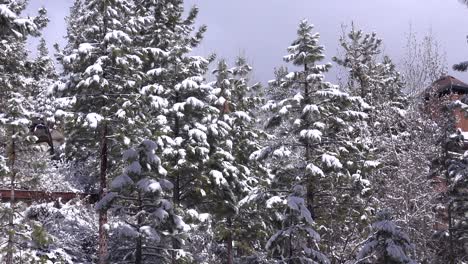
{"type": "Point", "coordinates": [158, 102]}
{"type": "Point", "coordinates": [298, 97]}
{"type": "Point", "coordinates": [94, 69]}
{"type": "Point", "coordinates": [150, 233]}
{"type": "Point", "coordinates": [127, 230]}
{"type": "Point", "coordinates": [157, 52]}
{"type": "Point", "coordinates": [465, 135]}
{"type": "Point", "coordinates": [130, 154]}
{"type": "Point", "coordinates": [315, 77]}
{"type": "Point", "coordinates": [218, 177]}
{"type": "Point", "coordinates": [242, 116]}
{"type": "Point", "coordinates": [26, 23]}
{"type": "Point", "coordinates": [187, 84]}
{"type": "Point", "coordinates": [284, 110]}
{"type": "Point", "coordinates": [106, 200]}
{"type": "Point", "coordinates": [298, 204]}
{"type": "Point", "coordinates": [179, 107]}
{"type": "Point", "coordinates": [396, 252]}
{"type": "Point", "coordinates": [274, 200]}
{"type": "Point", "coordinates": [356, 114]}
{"type": "Point", "coordinates": [121, 114]}
{"type": "Point", "coordinates": [332, 93]}
{"type": "Point", "coordinates": [197, 135]}
{"type": "Point", "coordinates": [195, 103]}
{"type": "Point", "coordinates": [152, 88]}
{"type": "Point", "coordinates": [149, 185]}
{"type": "Point", "coordinates": [180, 224]}
{"type": "Point", "coordinates": [165, 184]}
{"type": "Point", "coordinates": [156, 72]}
{"type": "Point", "coordinates": [6, 12]}
{"type": "Point", "coordinates": [290, 75]}
{"type": "Point", "coordinates": [121, 182]}
{"type": "Point", "coordinates": [386, 226]}
{"type": "Point", "coordinates": [313, 234]}
{"type": "Point", "coordinates": [118, 36]}
{"type": "Point", "coordinates": [314, 170]}
{"type": "Point", "coordinates": [311, 108]}
{"type": "Point", "coordinates": [311, 134]}
{"type": "Point", "coordinates": [85, 48]}
{"type": "Point", "coordinates": [204, 217]}
{"type": "Point", "coordinates": [93, 119]}
{"type": "Point", "coordinates": [319, 125]}
{"type": "Point", "coordinates": [149, 145]}
{"type": "Point", "coordinates": [20, 122]}
{"type": "Point", "coordinates": [331, 161]}
{"type": "Point", "coordinates": [371, 164]}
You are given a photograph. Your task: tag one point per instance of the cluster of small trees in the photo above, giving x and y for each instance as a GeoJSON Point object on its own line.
{"type": "Point", "coordinates": [196, 171]}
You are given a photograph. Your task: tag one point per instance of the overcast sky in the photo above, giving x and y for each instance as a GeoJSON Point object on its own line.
{"type": "Point", "coordinates": [263, 29]}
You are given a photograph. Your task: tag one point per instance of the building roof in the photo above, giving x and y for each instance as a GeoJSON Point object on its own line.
{"type": "Point", "coordinates": [446, 85]}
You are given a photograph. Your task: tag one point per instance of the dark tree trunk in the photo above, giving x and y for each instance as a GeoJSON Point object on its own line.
{"type": "Point", "coordinates": [139, 244]}
{"type": "Point", "coordinates": [176, 192]}
{"type": "Point", "coordinates": [103, 251]}
{"type": "Point", "coordinates": [10, 244]}
{"type": "Point", "coordinates": [230, 255]}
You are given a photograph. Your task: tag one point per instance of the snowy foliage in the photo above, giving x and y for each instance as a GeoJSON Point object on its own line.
{"type": "Point", "coordinates": [387, 244]}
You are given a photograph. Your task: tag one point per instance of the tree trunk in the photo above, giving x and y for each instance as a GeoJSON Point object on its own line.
{"type": "Point", "coordinates": [138, 250]}
{"type": "Point", "coordinates": [10, 246]}
{"type": "Point", "coordinates": [176, 192]}
{"type": "Point", "coordinates": [102, 191]}
{"type": "Point", "coordinates": [230, 256]}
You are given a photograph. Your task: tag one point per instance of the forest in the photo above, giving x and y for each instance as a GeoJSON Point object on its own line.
{"type": "Point", "coordinates": [125, 146]}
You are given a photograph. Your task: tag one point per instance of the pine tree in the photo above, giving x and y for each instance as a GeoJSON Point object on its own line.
{"type": "Point", "coordinates": [316, 138]}
{"type": "Point", "coordinates": [140, 199]}
{"type": "Point", "coordinates": [174, 81]}
{"type": "Point", "coordinates": [16, 110]}
{"type": "Point", "coordinates": [387, 244]}
{"type": "Point", "coordinates": [394, 125]}
{"type": "Point", "coordinates": [232, 137]}
{"type": "Point", "coordinates": [102, 79]}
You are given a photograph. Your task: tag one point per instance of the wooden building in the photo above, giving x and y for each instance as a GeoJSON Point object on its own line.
{"type": "Point", "coordinates": [445, 90]}
{"type": "Point", "coordinates": [439, 99]}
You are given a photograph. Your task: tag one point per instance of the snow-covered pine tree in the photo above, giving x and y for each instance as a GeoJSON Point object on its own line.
{"type": "Point", "coordinates": [174, 81]}
{"type": "Point", "coordinates": [16, 110]}
{"type": "Point", "coordinates": [102, 80]}
{"type": "Point", "coordinates": [232, 136]}
{"type": "Point", "coordinates": [141, 200]}
{"type": "Point", "coordinates": [360, 52]}
{"type": "Point", "coordinates": [45, 75]}
{"type": "Point", "coordinates": [387, 244]}
{"type": "Point", "coordinates": [312, 155]}
{"type": "Point", "coordinates": [392, 125]}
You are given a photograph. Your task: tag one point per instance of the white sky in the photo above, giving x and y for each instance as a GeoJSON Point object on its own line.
{"type": "Point", "coordinates": [263, 29]}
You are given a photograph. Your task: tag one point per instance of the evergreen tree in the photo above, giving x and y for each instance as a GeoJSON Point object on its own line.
{"type": "Point", "coordinates": [387, 244]}
{"type": "Point", "coordinates": [141, 201]}
{"type": "Point", "coordinates": [16, 110]}
{"type": "Point", "coordinates": [174, 81]}
{"type": "Point", "coordinates": [102, 80]}
{"type": "Point", "coordinates": [232, 137]}
{"type": "Point", "coordinates": [316, 138]}
{"type": "Point", "coordinates": [392, 125]}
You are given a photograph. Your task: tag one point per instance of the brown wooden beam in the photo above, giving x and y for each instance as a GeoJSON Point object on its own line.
{"type": "Point", "coordinates": [43, 196]}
